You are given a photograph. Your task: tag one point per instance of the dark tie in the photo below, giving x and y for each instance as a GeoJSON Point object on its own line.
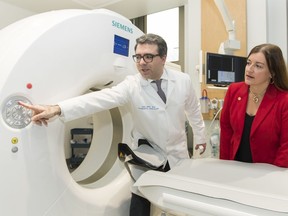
{"type": "Point", "coordinates": [160, 91]}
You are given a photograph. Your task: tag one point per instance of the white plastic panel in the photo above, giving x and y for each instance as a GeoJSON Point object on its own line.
{"type": "Point", "coordinates": [218, 187]}
{"type": "Point", "coordinates": [45, 59]}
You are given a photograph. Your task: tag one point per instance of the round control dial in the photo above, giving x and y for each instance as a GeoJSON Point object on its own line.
{"type": "Point", "coordinates": [15, 115]}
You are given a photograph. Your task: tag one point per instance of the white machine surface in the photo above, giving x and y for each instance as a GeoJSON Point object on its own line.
{"type": "Point", "coordinates": [44, 59]}
{"type": "Point", "coordinates": [205, 187]}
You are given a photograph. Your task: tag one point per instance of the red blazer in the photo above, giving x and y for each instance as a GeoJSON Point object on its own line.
{"type": "Point", "coordinates": [269, 132]}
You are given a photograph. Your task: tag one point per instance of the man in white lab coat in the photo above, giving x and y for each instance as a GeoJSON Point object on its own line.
{"type": "Point", "coordinates": [160, 121]}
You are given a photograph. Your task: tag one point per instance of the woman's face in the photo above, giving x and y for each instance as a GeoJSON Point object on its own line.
{"type": "Point", "coordinates": [257, 73]}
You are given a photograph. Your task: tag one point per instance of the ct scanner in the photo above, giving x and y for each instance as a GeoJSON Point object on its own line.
{"type": "Point", "coordinates": [44, 59]}
{"type": "Point", "coordinates": [57, 55]}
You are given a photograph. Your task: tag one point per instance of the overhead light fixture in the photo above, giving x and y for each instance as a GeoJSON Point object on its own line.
{"type": "Point", "coordinates": [93, 4]}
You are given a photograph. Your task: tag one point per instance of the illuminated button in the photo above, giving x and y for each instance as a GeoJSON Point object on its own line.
{"type": "Point", "coordinates": [15, 115]}
{"type": "Point", "coordinates": [14, 140]}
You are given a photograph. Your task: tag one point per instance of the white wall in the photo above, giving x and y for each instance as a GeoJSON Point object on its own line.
{"type": "Point", "coordinates": [193, 42]}
{"type": "Point", "coordinates": [277, 24]}
{"type": "Point", "coordinates": [10, 14]}
{"type": "Point", "coordinates": [267, 23]}
{"type": "Point", "coordinates": [256, 23]}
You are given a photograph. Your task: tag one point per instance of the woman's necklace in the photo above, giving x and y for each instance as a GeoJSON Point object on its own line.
{"type": "Point", "coordinates": [256, 96]}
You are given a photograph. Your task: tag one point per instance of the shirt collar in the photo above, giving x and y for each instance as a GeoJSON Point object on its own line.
{"type": "Point", "coordinates": [163, 77]}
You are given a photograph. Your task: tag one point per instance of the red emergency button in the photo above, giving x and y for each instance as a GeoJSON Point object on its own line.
{"type": "Point", "coordinates": [29, 85]}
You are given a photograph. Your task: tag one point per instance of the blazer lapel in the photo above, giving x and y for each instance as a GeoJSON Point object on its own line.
{"type": "Point", "coordinates": [240, 105]}
{"type": "Point", "coordinates": [265, 107]}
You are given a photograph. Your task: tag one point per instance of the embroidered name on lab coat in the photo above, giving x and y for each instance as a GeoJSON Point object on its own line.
{"type": "Point", "coordinates": [148, 108]}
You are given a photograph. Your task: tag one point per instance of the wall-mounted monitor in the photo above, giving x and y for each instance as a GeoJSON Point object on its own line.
{"type": "Point", "coordinates": [222, 70]}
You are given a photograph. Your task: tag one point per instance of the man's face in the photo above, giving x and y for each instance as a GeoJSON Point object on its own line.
{"type": "Point", "coordinates": [154, 69]}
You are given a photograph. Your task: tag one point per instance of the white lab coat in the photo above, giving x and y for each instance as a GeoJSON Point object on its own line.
{"type": "Point", "coordinates": [159, 123]}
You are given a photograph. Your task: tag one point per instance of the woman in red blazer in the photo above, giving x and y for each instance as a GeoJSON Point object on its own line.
{"type": "Point", "coordinates": [254, 119]}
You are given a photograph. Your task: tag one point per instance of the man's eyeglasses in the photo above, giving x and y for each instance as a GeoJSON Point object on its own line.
{"type": "Point", "coordinates": [146, 57]}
